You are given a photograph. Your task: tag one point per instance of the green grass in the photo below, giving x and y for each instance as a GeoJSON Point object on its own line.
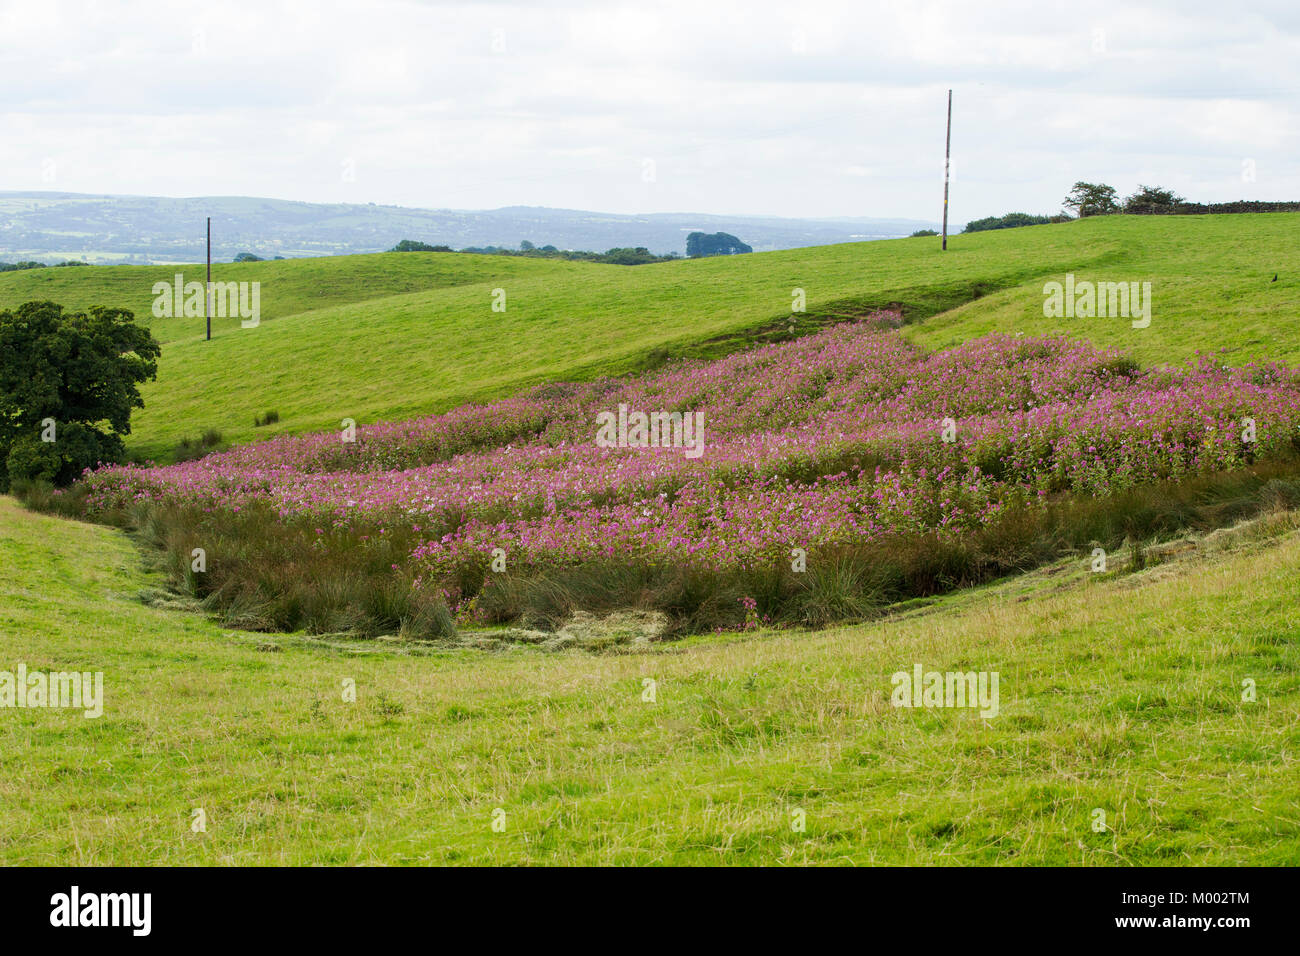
{"type": "Point", "coordinates": [390, 336]}
{"type": "Point", "coordinates": [1211, 280]}
{"type": "Point", "coordinates": [289, 286]}
{"type": "Point", "coordinates": [1120, 692]}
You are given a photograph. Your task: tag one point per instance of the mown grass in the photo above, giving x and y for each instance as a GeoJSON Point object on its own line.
{"type": "Point", "coordinates": [1118, 692]}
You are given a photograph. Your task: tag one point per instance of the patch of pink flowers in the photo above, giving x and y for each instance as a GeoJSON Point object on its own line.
{"type": "Point", "coordinates": [833, 438]}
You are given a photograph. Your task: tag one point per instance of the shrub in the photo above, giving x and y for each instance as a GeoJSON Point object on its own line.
{"type": "Point", "coordinates": [1011, 220]}
{"type": "Point", "coordinates": [411, 245]}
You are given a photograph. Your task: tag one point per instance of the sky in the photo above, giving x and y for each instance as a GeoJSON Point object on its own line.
{"type": "Point", "coordinates": [804, 109]}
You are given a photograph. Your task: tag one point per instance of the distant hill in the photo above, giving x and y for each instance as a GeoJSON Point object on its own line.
{"type": "Point", "coordinates": [51, 226]}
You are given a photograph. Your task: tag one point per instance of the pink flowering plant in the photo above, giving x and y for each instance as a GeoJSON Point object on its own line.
{"type": "Point", "coordinates": [836, 440]}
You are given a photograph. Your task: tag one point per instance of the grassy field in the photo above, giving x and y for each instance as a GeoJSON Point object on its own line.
{"type": "Point", "coordinates": [1212, 285]}
{"type": "Point", "coordinates": [1119, 692]}
{"type": "Point", "coordinates": [390, 336]}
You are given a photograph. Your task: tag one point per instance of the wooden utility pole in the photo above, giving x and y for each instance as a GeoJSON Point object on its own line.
{"type": "Point", "coordinates": [207, 290]}
{"type": "Point", "coordinates": [947, 157]}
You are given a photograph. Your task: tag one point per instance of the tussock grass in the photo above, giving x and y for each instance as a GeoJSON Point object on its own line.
{"type": "Point", "coordinates": [860, 582]}
{"type": "Point", "coordinates": [191, 448]}
{"type": "Point", "coordinates": [265, 573]}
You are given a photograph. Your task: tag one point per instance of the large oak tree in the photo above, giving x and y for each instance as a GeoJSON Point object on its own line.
{"type": "Point", "coordinates": [68, 384]}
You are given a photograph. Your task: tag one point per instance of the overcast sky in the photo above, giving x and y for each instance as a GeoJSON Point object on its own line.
{"type": "Point", "coordinates": [804, 108]}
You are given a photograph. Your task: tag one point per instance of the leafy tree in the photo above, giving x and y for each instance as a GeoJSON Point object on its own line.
{"type": "Point", "coordinates": [247, 257]}
{"type": "Point", "coordinates": [1149, 200]}
{"type": "Point", "coordinates": [928, 232]}
{"type": "Point", "coordinates": [1092, 199]}
{"type": "Point", "coordinates": [71, 378]}
{"type": "Point", "coordinates": [700, 244]}
{"type": "Point", "coordinates": [526, 246]}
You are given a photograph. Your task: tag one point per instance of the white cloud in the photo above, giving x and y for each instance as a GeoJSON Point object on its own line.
{"type": "Point", "coordinates": [815, 109]}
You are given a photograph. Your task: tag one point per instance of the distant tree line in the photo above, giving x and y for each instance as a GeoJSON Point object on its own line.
{"type": "Point", "coordinates": [410, 245]}
{"type": "Point", "coordinates": [623, 256]}
{"type": "Point", "coordinates": [250, 257]}
{"type": "Point", "coordinates": [16, 266]}
{"type": "Point", "coordinates": [1099, 199]}
{"type": "Point", "coordinates": [698, 245]}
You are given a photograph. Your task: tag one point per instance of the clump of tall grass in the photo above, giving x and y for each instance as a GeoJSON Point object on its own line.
{"type": "Point", "coordinates": [259, 572]}
{"type": "Point", "coordinates": [190, 449]}
{"type": "Point", "coordinates": [856, 582]}
{"type": "Point", "coordinates": [266, 573]}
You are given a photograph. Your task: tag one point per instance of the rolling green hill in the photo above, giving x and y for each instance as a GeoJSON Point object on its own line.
{"type": "Point", "coordinates": [289, 286]}
{"type": "Point", "coordinates": [390, 336]}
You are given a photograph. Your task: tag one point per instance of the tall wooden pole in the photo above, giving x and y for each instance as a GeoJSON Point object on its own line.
{"type": "Point", "coordinates": [947, 157]}
{"type": "Point", "coordinates": [207, 291]}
